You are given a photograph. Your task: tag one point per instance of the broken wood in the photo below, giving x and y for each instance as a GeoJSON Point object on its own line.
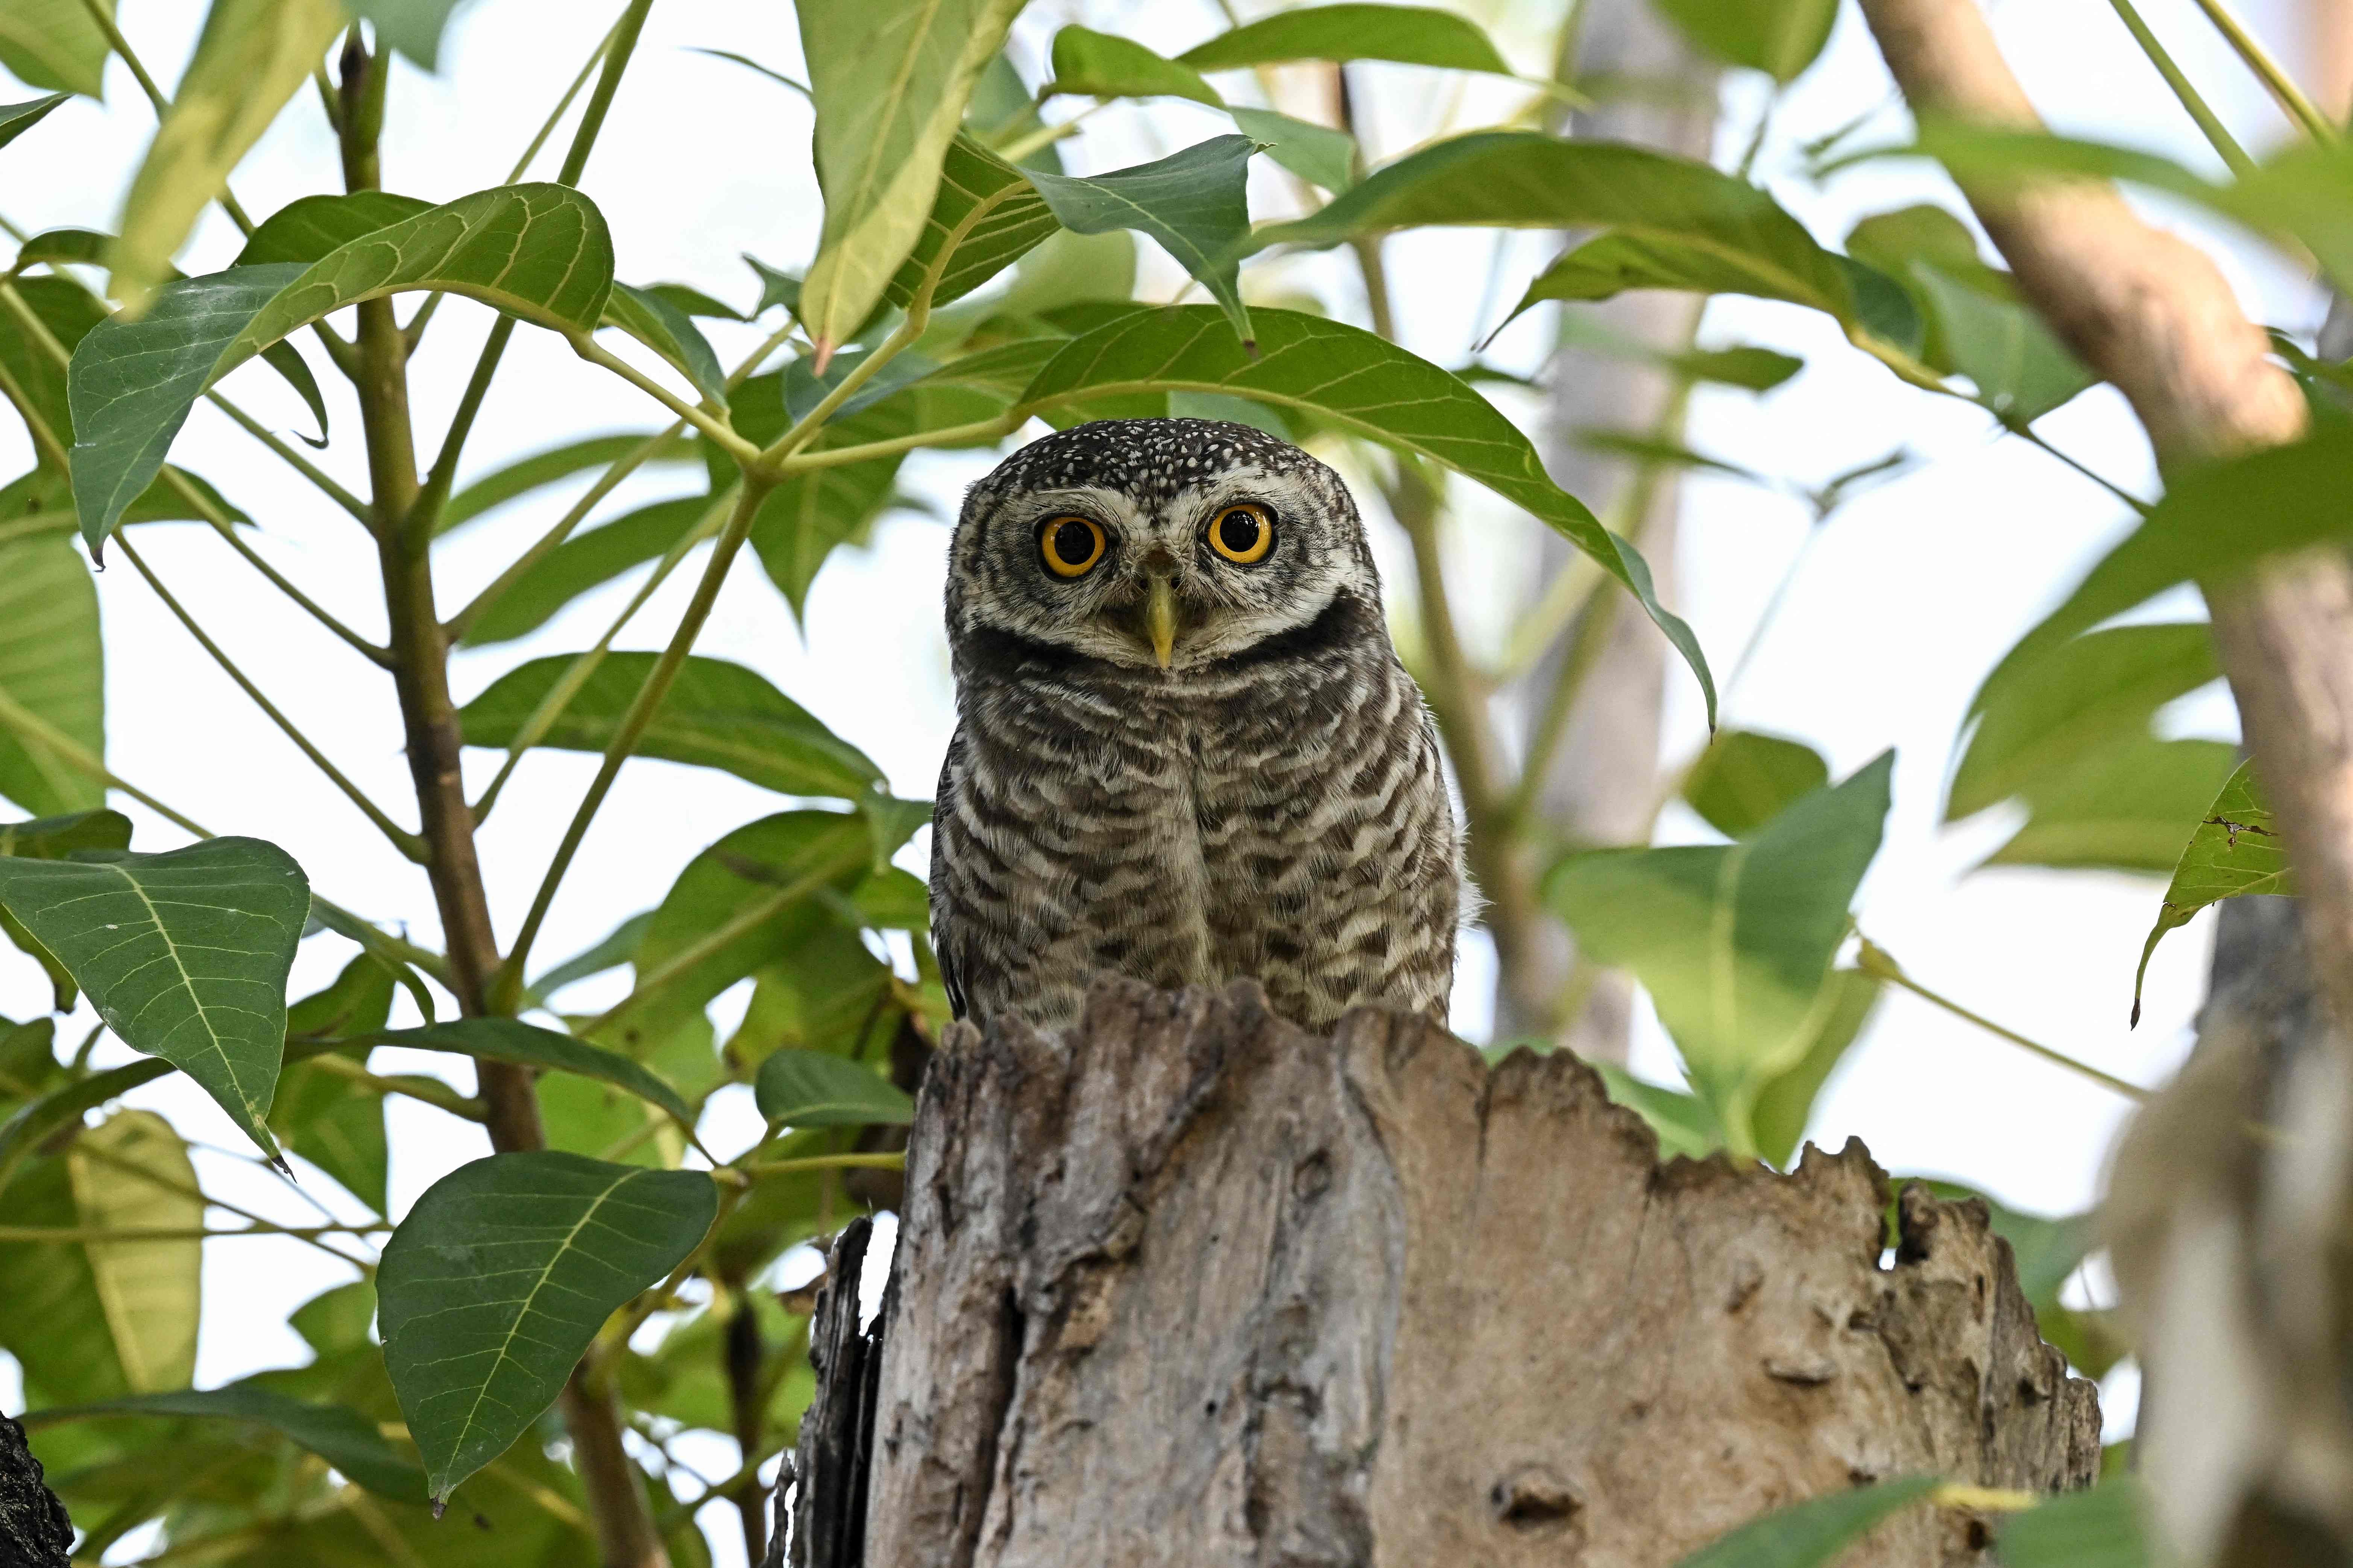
{"type": "Point", "coordinates": [1193, 1287]}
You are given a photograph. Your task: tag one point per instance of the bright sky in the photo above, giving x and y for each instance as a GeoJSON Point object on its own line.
{"type": "Point", "coordinates": [1908, 598]}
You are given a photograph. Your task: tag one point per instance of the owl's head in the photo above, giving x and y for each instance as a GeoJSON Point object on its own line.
{"type": "Point", "coordinates": [1157, 542]}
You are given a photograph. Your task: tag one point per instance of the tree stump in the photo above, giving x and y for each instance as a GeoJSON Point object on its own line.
{"type": "Point", "coordinates": [1193, 1287]}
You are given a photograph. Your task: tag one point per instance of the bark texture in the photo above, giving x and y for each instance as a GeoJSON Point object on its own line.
{"type": "Point", "coordinates": [1192, 1287]}
{"type": "Point", "coordinates": [34, 1532]}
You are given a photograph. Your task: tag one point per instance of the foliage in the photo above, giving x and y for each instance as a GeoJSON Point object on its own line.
{"type": "Point", "coordinates": [966, 287]}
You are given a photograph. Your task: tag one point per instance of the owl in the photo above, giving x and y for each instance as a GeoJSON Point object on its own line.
{"type": "Point", "coordinates": [1185, 751]}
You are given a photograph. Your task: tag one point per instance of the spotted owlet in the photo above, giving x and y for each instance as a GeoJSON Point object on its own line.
{"type": "Point", "coordinates": [1186, 751]}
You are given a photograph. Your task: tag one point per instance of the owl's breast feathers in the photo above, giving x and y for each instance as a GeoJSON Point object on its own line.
{"type": "Point", "coordinates": [1278, 816]}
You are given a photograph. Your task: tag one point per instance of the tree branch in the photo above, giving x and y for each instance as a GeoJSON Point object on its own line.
{"type": "Point", "coordinates": [2152, 314]}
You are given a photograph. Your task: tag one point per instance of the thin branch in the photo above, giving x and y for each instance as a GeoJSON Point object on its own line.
{"type": "Point", "coordinates": [1872, 960]}
{"type": "Point", "coordinates": [425, 1091]}
{"type": "Point", "coordinates": [87, 1234]}
{"type": "Point", "coordinates": [948, 436]}
{"type": "Point", "coordinates": [221, 525]}
{"type": "Point", "coordinates": [575, 675]}
{"type": "Point", "coordinates": [2026, 433]}
{"type": "Point", "coordinates": [2277, 82]}
{"type": "Point", "coordinates": [407, 842]}
{"type": "Point", "coordinates": [715, 430]}
{"type": "Point", "coordinates": [93, 1150]}
{"type": "Point", "coordinates": [294, 459]}
{"type": "Point", "coordinates": [632, 728]}
{"type": "Point", "coordinates": [827, 1163]}
{"type": "Point", "coordinates": [457, 626]}
{"type": "Point", "coordinates": [43, 436]}
{"type": "Point", "coordinates": [2217, 135]}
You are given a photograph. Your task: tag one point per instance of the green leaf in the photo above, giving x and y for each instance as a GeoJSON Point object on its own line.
{"type": "Point", "coordinates": [1193, 203]}
{"type": "Point", "coordinates": [1815, 1534]}
{"type": "Point", "coordinates": [775, 288]}
{"type": "Point", "coordinates": [337, 1433]}
{"type": "Point", "coordinates": [2034, 721]}
{"type": "Point", "coordinates": [539, 252]}
{"type": "Point", "coordinates": [2128, 807]}
{"type": "Point", "coordinates": [610, 953]}
{"type": "Point", "coordinates": [309, 229]}
{"type": "Point", "coordinates": [68, 310]}
{"type": "Point", "coordinates": [1518, 179]}
{"type": "Point", "coordinates": [1316, 153]}
{"type": "Point", "coordinates": [2234, 851]}
{"type": "Point", "coordinates": [830, 994]}
{"type": "Point", "coordinates": [1407, 35]}
{"type": "Point", "coordinates": [540, 469]}
{"type": "Point", "coordinates": [1785, 1103]}
{"type": "Point", "coordinates": [55, 45]}
{"type": "Point", "coordinates": [1018, 220]}
{"type": "Point", "coordinates": [695, 302]}
{"type": "Point", "coordinates": [16, 119]}
{"type": "Point", "coordinates": [1779, 38]}
{"type": "Point", "coordinates": [748, 868]}
{"type": "Point", "coordinates": [185, 954]}
{"type": "Point", "coordinates": [147, 1290]}
{"type": "Point", "coordinates": [670, 332]}
{"type": "Point", "coordinates": [890, 86]}
{"type": "Point", "coordinates": [83, 244]}
{"type": "Point", "coordinates": [1735, 941]}
{"type": "Point", "coordinates": [2104, 1527]}
{"type": "Point", "coordinates": [813, 512]}
{"type": "Point", "coordinates": [1745, 779]}
{"type": "Point", "coordinates": [519, 1044]}
{"type": "Point", "coordinates": [502, 1273]}
{"type": "Point", "coordinates": [1357, 381]}
{"type": "Point", "coordinates": [412, 26]}
{"type": "Point", "coordinates": [719, 715]}
{"type": "Point", "coordinates": [1682, 1120]}
{"type": "Point", "coordinates": [2021, 371]}
{"type": "Point", "coordinates": [52, 664]}
{"type": "Point", "coordinates": [252, 55]}
{"type": "Point", "coordinates": [32, 1124]}
{"type": "Point", "coordinates": [331, 1120]}
{"type": "Point", "coordinates": [1103, 65]}
{"type": "Point", "coordinates": [54, 1318]}
{"type": "Point", "coordinates": [2213, 525]}
{"type": "Point", "coordinates": [817, 1089]}
{"type": "Point", "coordinates": [587, 560]}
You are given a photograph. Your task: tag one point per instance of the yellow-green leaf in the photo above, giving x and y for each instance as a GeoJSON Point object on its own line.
{"type": "Point", "coordinates": [889, 80]}
{"type": "Point", "coordinates": [55, 43]}
{"type": "Point", "coordinates": [2236, 850]}
{"type": "Point", "coordinates": [249, 59]}
{"type": "Point", "coordinates": [131, 1173]}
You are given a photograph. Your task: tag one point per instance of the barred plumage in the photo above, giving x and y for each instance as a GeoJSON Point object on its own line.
{"type": "Point", "coordinates": [1258, 795]}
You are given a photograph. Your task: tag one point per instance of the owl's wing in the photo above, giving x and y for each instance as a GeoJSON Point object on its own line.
{"type": "Point", "coordinates": [944, 946]}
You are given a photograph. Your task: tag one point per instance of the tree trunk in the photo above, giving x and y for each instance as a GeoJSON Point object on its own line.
{"type": "Point", "coordinates": [1192, 1287]}
{"type": "Point", "coordinates": [1599, 781]}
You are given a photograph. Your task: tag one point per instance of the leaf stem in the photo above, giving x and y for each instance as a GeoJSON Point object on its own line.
{"type": "Point", "coordinates": [951, 434]}
{"type": "Point", "coordinates": [87, 1234]}
{"type": "Point", "coordinates": [294, 459]}
{"type": "Point", "coordinates": [575, 675]}
{"type": "Point", "coordinates": [204, 508]}
{"type": "Point", "coordinates": [508, 982]}
{"type": "Point", "coordinates": [2026, 433]}
{"type": "Point", "coordinates": [90, 1150]}
{"type": "Point", "coordinates": [1874, 960]}
{"type": "Point", "coordinates": [2217, 136]}
{"type": "Point", "coordinates": [43, 436]}
{"type": "Point", "coordinates": [715, 430]}
{"type": "Point", "coordinates": [407, 842]}
{"type": "Point", "coordinates": [2277, 82]}
{"type": "Point", "coordinates": [427, 1091]}
{"type": "Point", "coordinates": [892, 1161]}
{"type": "Point", "coordinates": [30, 726]}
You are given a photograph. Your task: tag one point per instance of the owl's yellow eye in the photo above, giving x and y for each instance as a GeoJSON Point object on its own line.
{"type": "Point", "coordinates": [1242, 534]}
{"type": "Point", "coordinates": [1071, 545]}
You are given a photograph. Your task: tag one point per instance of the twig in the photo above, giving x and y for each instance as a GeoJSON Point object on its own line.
{"type": "Point", "coordinates": [294, 459]}
{"type": "Point", "coordinates": [407, 842]}
{"type": "Point", "coordinates": [2277, 82]}
{"type": "Point", "coordinates": [2217, 135]}
{"type": "Point", "coordinates": [1874, 961]}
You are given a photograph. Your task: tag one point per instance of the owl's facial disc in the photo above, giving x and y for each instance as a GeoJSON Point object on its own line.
{"type": "Point", "coordinates": [1163, 545]}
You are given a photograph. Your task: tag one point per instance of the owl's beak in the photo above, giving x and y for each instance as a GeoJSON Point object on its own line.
{"type": "Point", "coordinates": [1160, 617]}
